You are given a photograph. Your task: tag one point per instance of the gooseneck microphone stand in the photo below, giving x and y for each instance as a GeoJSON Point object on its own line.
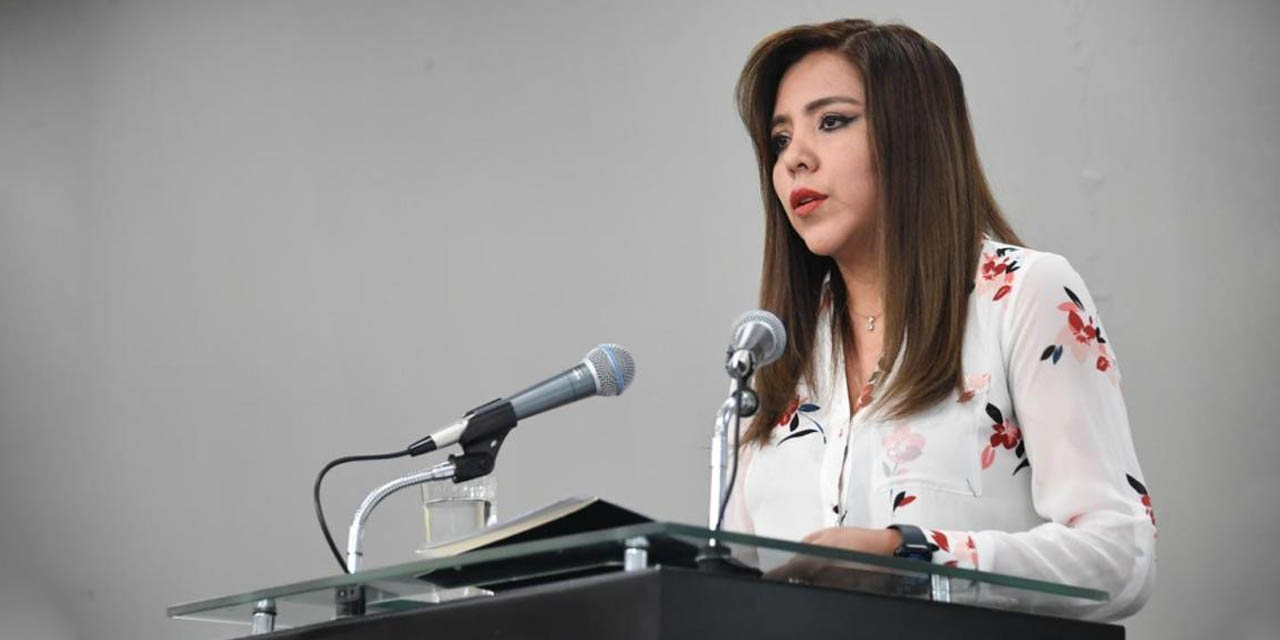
{"type": "Point", "coordinates": [742, 402]}
{"type": "Point", "coordinates": [355, 535]}
{"type": "Point", "coordinates": [350, 600]}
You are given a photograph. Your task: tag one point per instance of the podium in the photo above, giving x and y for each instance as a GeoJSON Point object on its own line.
{"type": "Point", "coordinates": [643, 582]}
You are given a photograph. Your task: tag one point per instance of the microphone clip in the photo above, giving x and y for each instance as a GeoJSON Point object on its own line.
{"type": "Point", "coordinates": [487, 428]}
{"type": "Point", "coordinates": [739, 365]}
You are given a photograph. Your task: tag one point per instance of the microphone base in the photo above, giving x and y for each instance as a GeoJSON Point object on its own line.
{"type": "Point", "coordinates": [349, 601]}
{"type": "Point", "coordinates": [716, 559]}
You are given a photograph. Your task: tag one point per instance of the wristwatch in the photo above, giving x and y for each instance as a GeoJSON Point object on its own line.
{"type": "Point", "coordinates": [914, 544]}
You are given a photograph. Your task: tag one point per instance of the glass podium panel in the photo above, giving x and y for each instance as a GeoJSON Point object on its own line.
{"type": "Point", "coordinates": [484, 572]}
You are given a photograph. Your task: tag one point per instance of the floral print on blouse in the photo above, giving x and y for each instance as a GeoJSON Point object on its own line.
{"type": "Point", "coordinates": [1029, 470]}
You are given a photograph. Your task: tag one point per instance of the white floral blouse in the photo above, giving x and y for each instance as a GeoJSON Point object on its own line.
{"type": "Point", "coordinates": [1031, 471]}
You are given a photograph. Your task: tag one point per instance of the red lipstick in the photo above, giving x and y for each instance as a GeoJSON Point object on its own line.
{"type": "Point", "coordinates": [804, 200]}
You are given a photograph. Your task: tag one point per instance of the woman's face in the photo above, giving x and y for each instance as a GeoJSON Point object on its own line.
{"type": "Point", "coordinates": [819, 133]}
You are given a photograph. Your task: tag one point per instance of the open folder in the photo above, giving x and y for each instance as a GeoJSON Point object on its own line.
{"type": "Point", "coordinates": [562, 518]}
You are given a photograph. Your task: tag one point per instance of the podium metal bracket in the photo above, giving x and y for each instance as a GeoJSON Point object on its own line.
{"type": "Point", "coordinates": [264, 617]}
{"type": "Point", "coordinates": [636, 555]}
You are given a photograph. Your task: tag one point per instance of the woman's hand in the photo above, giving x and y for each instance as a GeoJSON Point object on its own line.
{"type": "Point", "coordinates": [822, 571]}
{"type": "Point", "coordinates": [881, 542]}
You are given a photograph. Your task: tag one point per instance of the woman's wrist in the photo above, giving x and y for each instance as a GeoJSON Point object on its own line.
{"type": "Point", "coordinates": [893, 540]}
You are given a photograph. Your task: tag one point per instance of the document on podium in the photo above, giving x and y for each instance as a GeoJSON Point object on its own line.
{"type": "Point", "coordinates": [565, 517]}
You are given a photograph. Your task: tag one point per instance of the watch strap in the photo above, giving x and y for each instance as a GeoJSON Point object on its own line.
{"type": "Point", "coordinates": [914, 543]}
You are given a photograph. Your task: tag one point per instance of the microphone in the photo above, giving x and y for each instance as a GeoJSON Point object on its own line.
{"type": "Point", "coordinates": [606, 370]}
{"type": "Point", "coordinates": [758, 339]}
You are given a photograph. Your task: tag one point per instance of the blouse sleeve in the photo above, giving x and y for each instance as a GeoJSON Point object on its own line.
{"type": "Point", "coordinates": [1085, 481]}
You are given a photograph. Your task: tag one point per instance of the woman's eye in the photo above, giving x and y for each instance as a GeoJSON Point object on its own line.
{"type": "Point", "coordinates": [835, 121]}
{"type": "Point", "coordinates": [828, 123]}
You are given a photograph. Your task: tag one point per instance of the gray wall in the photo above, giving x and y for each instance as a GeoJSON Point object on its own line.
{"type": "Point", "coordinates": [238, 239]}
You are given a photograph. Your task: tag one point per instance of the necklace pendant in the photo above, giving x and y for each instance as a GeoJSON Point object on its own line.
{"type": "Point", "coordinates": [871, 323]}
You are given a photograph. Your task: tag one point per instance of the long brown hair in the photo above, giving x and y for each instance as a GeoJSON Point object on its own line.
{"type": "Point", "coordinates": [934, 207]}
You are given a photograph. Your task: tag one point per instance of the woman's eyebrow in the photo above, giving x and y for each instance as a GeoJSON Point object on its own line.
{"type": "Point", "coordinates": [811, 107]}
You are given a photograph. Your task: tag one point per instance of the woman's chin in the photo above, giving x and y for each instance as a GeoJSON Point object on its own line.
{"type": "Point", "coordinates": [821, 246]}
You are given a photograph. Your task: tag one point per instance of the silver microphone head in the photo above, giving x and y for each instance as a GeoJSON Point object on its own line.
{"type": "Point", "coordinates": [613, 366]}
{"type": "Point", "coordinates": [761, 333]}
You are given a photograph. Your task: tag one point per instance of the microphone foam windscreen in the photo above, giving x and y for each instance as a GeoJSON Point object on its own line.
{"type": "Point", "coordinates": [614, 367]}
{"type": "Point", "coordinates": [772, 324]}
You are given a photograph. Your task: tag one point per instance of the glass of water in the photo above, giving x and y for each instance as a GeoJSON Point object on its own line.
{"type": "Point", "coordinates": [451, 511]}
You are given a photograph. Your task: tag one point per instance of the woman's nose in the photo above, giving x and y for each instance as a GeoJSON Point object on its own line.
{"type": "Point", "coordinates": [799, 154]}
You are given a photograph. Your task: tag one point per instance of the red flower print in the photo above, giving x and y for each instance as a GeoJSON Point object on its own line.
{"type": "Point", "coordinates": [995, 271]}
{"type": "Point", "coordinates": [1007, 435]}
{"type": "Point", "coordinates": [973, 384]}
{"type": "Point", "coordinates": [940, 539]}
{"type": "Point", "coordinates": [902, 444]}
{"type": "Point", "coordinates": [790, 412]}
{"type": "Point", "coordinates": [990, 268]}
{"type": "Point", "coordinates": [1083, 334]}
{"type": "Point", "coordinates": [865, 398]}
{"type": "Point", "coordinates": [988, 456]}
{"type": "Point", "coordinates": [1146, 497]}
{"type": "Point", "coordinates": [969, 555]}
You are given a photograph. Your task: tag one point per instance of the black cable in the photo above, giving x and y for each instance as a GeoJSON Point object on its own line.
{"type": "Point", "coordinates": [733, 475]}
{"type": "Point", "coordinates": [324, 527]}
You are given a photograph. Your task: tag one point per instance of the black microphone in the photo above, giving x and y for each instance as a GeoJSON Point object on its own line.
{"type": "Point", "coordinates": [605, 371]}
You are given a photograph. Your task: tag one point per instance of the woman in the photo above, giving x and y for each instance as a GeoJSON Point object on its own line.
{"type": "Point", "coordinates": [940, 378]}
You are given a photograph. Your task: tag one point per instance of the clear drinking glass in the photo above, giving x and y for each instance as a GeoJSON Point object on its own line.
{"type": "Point", "coordinates": [450, 510]}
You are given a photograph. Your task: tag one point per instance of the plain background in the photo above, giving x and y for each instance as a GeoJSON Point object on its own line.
{"type": "Point", "coordinates": [239, 239]}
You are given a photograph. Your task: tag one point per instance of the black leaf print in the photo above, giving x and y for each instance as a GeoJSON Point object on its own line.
{"type": "Point", "coordinates": [1098, 334]}
{"type": "Point", "coordinates": [1071, 294]}
{"type": "Point", "coordinates": [902, 500]}
{"type": "Point", "coordinates": [797, 435]}
{"type": "Point", "coordinates": [1057, 353]}
{"type": "Point", "coordinates": [1048, 351]}
{"type": "Point", "coordinates": [808, 408]}
{"type": "Point", "coordinates": [1003, 250]}
{"type": "Point", "coordinates": [795, 422]}
{"type": "Point", "coordinates": [1013, 266]}
{"type": "Point", "coordinates": [1137, 486]}
{"type": "Point", "coordinates": [1024, 464]}
{"type": "Point", "coordinates": [1021, 450]}
{"type": "Point", "coordinates": [995, 414]}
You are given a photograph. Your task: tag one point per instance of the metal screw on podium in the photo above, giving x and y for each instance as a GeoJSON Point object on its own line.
{"type": "Point", "coordinates": [636, 557]}
{"type": "Point", "coordinates": [264, 617]}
